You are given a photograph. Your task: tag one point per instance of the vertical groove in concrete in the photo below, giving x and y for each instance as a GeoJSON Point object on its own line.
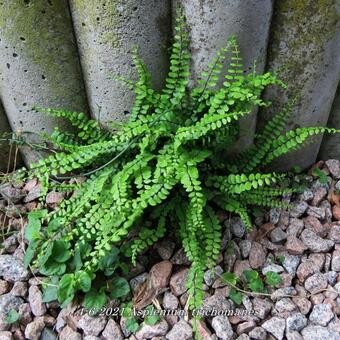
{"type": "Point", "coordinates": [7, 157]}
{"type": "Point", "coordinates": [304, 51]}
{"type": "Point", "coordinates": [38, 64]}
{"type": "Point", "coordinates": [212, 23]}
{"type": "Point", "coordinates": [330, 146]}
{"type": "Point", "coordinates": [106, 33]}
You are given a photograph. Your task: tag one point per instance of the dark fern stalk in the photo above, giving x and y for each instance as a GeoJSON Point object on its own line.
{"type": "Point", "coordinates": [162, 170]}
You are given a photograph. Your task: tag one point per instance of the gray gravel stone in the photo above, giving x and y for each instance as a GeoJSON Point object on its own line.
{"type": "Point", "coordinates": [170, 301]}
{"type": "Point", "coordinates": [291, 262]}
{"type": "Point", "coordinates": [245, 246]}
{"type": "Point", "coordinates": [47, 334]}
{"type": "Point", "coordinates": [35, 299]}
{"type": "Point", "coordinates": [294, 336]}
{"type": "Point", "coordinates": [262, 307]}
{"type": "Point", "coordinates": [10, 193]}
{"type": "Point", "coordinates": [319, 213]}
{"type": "Point", "coordinates": [215, 302]}
{"type": "Point", "coordinates": [278, 235]}
{"type": "Point", "coordinates": [8, 302]}
{"type": "Point", "coordinates": [299, 209]}
{"type": "Point", "coordinates": [274, 215]}
{"type": "Point", "coordinates": [150, 331]}
{"type": "Point", "coordinates": [258, 333]}
{"type": "Point", "coordinates": [212, 274]}
{"type": "Point", "coordinates": [138, 280]}
{"type": "Point", "coordinates": [307, 195]}
{"type": "Point", "coordinates": [181, 330]}
{"type": "Point", "coordinates": [272, 267]}
{"type": "Point", "coordinates": [112, 331]}
{"type": "Point", "coordinates": [335, 264]}
{"type": "Point", "coordinates": [334, 233]}
{"type": "Point", "coordinates": [33, 330]}
{"type": "Point", "coordinates": [165, 249]}
{"type": "Point", "coordinates": [315, 243]}
{"type": "Point", "coordinates": [69, 334]}
{"type": "Point", "coordinates": [281, 292]}
{"type": "Point", "coordinates": [5, 335]}
{"type": "Point", "coordinates": [296, 322]}
{"type": "Point", "coordinates": [321, 314]}
{"type": "Point", "coordinates": [332, 277]}
{"type": "Point", "coordinates": [312, 332]}
{"type": "Point", "coordinates": [295, 227]}
{"type": "Point", "coordinates": [257, 256]}
{"type": "Point", "coordinates": [12, 269]}
{"type": "Point", "coordinates": [275, 326]}
{"type": "Point", "coordinates": [236, 226]}
{"type": "Point", "coordinates": [180, 258]}
{"type": "Point", "coordinates": [178, 282]}
{"type": "Point", "coordinates": [222, 327]}
{"type": "Point", "coordinates": [334, 167]}
{"type": "Point", "coordinates": [92, 325]}
{"type": "Point", "coordinates": [316, 282]}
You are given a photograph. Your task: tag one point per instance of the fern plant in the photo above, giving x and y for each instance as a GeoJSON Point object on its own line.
{"type": "Point", "coordinates": [165, 170]}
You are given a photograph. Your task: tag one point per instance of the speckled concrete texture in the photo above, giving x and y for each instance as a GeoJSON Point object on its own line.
{"type": "Point", "coordinates": [107, 32]}
{"type": "Point", "coordinates": [304, 51]}
{"type": "Point", "coordinates": [38, 64]}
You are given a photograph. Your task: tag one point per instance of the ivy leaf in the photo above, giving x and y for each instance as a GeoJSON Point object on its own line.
{"type": "Point", "coordinates": [50, 290]}
{"type": "Point", "coordinates": [273, 279]}
{"type": "Point", "coordinates": [12, 316]}
{"type": "Point", "coordinates": [229, 278]}
{"type": "Point", "coordinates": [151, 317]}
{"type": "Point", "coordinates": [32, 230]}
{"type": "Point", "coordinates": [250, 274]}
{"type": "Point", "coordinates": [53, 225]}
{"type": "Point", "coordinates": [94, 299]}
{"type": "Point", "coordinates": [84, 281]}
{"type": "Point", "coordinates": [53, 268]}
{"type": "Point", "coordinates": [30, 252]}
{"type": "Point", "coordinates": [256, 285]}
{"type": "Point", "coordinates": [60, 251]}
{"type": "Point", "coordinates": [109, 262]}
{"type": "Point", "coordinates": [235, 296]}
{"type": "Point", "coordinates": [131, 324]}
{"type": "Point", "coordinates": [119, 287]}
{"type": "Point", "coordinates": [66, 289]}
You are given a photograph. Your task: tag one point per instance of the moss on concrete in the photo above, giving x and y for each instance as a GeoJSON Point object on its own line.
{"type": "Point", "coordinates": [40, 32]}
{"type": "Point", "coordinates": [300, 31]}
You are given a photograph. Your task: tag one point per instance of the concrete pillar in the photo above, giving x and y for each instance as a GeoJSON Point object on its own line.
{"type": "Point", "coordinates": [38, 64]}
{"type": "Point", "coordinates": [106, 33]}
{"type": "Point", "coordinates": [212, 23]}
{"type": "Point", "coordinates": [330, 146]}
{"type": "Point", "coordinates": [304, 50]}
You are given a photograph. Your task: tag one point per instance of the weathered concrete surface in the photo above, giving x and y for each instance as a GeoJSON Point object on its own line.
{"type": "Point", "coordinates": [304, 50]}
{"type": "Point", "coordinates": [38, 63]}
{"type": "Point", "coordinates": [212, 23]}
{"type": "Point", "coordinates": [330, 146]}
{"type": "Point", "coordinates": [106, 33]}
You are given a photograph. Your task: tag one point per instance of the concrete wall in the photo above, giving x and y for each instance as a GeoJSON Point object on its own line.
{"type": "Point", "coordinates": [212, 23]}
{"type": "Point", "coordinates": [304, 51]}
{"type": "Point", "coordinates": [107, 32]}
{"type": "Point", "coordinates": [38, 64]}
{"type": "Point", "coordinates": [68, 54]}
